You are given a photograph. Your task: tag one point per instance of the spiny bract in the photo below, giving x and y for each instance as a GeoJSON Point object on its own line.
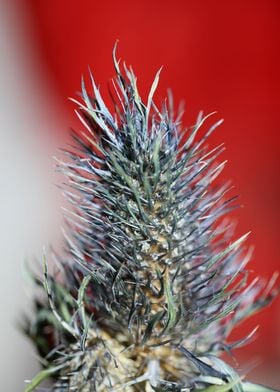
{"type": "Point", "coordinates": [152, 284]}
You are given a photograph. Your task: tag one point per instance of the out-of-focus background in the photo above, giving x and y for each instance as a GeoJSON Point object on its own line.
{"type": "Point", "coordinates": [217, 55]}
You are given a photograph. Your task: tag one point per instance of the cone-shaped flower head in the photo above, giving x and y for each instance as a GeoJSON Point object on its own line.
{"type": "Point", "coordinates": [153, 283]}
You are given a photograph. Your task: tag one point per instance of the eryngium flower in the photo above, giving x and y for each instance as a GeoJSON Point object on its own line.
{"type": "Point", "coordinates": [152, 283]}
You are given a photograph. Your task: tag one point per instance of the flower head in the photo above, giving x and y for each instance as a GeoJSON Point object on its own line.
{"type": "Point", "coordinates": [153, 282]}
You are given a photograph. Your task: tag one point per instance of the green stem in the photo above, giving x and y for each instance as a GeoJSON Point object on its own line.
{"type": "Point", "coordinates": [41, 376]}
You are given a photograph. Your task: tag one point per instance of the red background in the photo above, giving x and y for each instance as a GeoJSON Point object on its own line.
{"type": "Point", "coordinates": [217, 55]}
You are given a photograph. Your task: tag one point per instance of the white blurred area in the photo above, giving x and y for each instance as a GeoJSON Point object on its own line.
{"type": "Point", "coordinates": [29, 201]}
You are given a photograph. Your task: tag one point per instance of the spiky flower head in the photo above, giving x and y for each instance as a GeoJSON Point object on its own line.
{"type": "Point", "coordinates": [152, 283]}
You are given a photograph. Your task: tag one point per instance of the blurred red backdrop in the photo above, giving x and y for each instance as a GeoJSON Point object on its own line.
{"type": "Point", "coordinates": [217, 55]}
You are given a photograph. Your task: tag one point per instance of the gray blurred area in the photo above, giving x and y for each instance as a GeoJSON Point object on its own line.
{"type": "Point", "coordinates": [29, 201]}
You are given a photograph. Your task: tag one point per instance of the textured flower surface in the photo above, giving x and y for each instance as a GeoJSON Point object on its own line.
{"type": "Point", "coordinates": [152, 283]}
